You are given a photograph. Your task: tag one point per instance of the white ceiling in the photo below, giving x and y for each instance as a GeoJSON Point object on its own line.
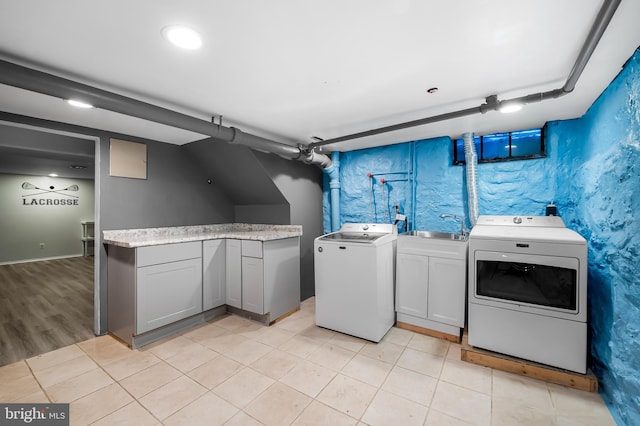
{"type": "Point", "coordinates": [290, 69]}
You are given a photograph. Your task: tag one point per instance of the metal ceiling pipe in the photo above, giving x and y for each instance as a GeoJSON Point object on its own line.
{"type": "Point", "coordinates": [48, 84]}
{"type": "Point", "coordinates": [606, 12]}
{"type": "Point", "coordinates": [261, 144]}
{"type": "Point", "coordinates": [428, 120]}
{"type": "Point", "coordinates": [601, 23]}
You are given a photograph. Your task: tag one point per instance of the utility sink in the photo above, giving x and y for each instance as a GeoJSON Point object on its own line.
{"type": "Point", "coordinates": [432, 243]}
{"type": "Point", "coordinates": [436, 235]}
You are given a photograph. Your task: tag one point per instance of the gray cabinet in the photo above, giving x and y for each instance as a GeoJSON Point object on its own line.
{"type": "Point", "coordinates": [252, 277]}
{"type": "Point", "coordinates": [252, 285]}
{"type": "Point", "coordinates": [168, 284]}
{"type": "Point", "coordinates": [281, 276]}
{"type": "Point", "coordinates": [154, 291]}
{"type": "Point", "coordinates": [150, 287]}
{"type": "Point", "coordinates": [270, 277]}
{"type": "Point", "coordinates": [233, 273]}
{"type": "Point", "coordinates": [168, 292]}
{"type": "Point", "coordinates": [214, 271]}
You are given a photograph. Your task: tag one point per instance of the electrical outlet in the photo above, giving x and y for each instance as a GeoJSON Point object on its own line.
{"type": "Point", "coordinates": [41, 245]}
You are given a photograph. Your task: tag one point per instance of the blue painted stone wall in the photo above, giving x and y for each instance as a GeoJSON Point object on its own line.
{"type": "Point", "coordinates": [599, 176]}
{"type": "Point", "coordinates": [591, 172]}
{"type": "Point", "coordinates": [366, 199]}
{"type": "Point", "coordinates": [511, 188]}
{"type": "Point", "coordinates": [439, 186]}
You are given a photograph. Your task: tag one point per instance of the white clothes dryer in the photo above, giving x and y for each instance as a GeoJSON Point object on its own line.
{"type": "Point", "coordinates": [528, 290]}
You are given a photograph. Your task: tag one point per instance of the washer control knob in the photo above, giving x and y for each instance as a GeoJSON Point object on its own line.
{"type": "Point", "coordinates": [517, 219]}
{"type": "Point", "coordinates": [365, 227]}
{"type": "Point", "coordinates": [320, 249]}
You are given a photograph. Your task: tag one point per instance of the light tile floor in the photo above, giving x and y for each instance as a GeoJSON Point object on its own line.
{"type": "Point", "coordinates": [236, 372]}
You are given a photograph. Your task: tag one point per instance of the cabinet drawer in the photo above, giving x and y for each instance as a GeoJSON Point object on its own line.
{"type": "Point", "coordinates": [153, 255]}
{"type": "Point", "coordinates": [251, 248]}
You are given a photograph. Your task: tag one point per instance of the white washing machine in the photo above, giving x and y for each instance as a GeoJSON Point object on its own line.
{"type": "Point", "coordinates": [354, 277]}
{"type": "Point", "coordinates": [528, 290]}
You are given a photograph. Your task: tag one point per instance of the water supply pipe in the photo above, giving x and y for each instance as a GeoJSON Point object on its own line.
{"type": "Point", "coordinates": [48, 84]}
{"type": "Point", "coordinates": [371, 206]}
{"type": "Point", "coordinates": [413, 186]}
{"type": "Point", "coordinates": [333, 171]}
{"type": "Point", "coordinates": [471, 161]}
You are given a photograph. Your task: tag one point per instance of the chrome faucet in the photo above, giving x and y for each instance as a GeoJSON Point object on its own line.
{"type": "Point", "coordinates": [463, 230]}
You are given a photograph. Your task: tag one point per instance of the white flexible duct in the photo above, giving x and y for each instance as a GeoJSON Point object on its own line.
{"type": "Point", "coordinates": [471, 160]}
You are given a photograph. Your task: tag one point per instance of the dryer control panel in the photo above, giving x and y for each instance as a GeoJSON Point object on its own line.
{"type": "Point", "coordinates": [534, 221]}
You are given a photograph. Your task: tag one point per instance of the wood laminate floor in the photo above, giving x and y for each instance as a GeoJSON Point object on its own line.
{"type": "Point", "coordinates": [44, 306]}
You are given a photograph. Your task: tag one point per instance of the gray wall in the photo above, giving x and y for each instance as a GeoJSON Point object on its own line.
{"type": "Point", "coordinates": [273, 214]}
{"type": "Point", "coordinates": [301, 185]}
{"type": "Point", "coordinates": [236, 171]}
{"type": "Point", "coordinates": [268, 189]}
{"type": "Point", "coordinates": [174, 193]}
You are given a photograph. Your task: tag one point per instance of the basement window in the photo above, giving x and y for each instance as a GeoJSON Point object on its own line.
{"type": "Point", "coordinates": [507, 146]}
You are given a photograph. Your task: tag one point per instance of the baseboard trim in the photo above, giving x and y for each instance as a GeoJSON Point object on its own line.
{"type": "Point", "coordinates": [15, 262]}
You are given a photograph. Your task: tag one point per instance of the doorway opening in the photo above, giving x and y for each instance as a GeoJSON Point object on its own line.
{"type": "Point", "coordinates": [49, 278]}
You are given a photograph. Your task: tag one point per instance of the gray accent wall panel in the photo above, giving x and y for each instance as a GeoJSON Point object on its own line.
{"type": "Point", "coordinates": [175, 192]}
{"type": "Point", "coordinates": [266, 188]}
{"type": "Point", "coordinates": [301, 184]}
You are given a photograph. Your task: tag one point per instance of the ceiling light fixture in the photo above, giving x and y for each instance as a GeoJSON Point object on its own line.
{"type": "Point", "coordinates": [508, 107]}
{"type": "Point", "coordinates": [53, 175]}
{"type": "Point", "coordinates": [183, 37]}
{"type": "Point", "coordinates": [79, 104]}
{"type": "Point", "coordinates": [77, 166]}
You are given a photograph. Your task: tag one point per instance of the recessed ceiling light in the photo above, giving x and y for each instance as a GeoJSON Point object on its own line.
{"type": "Point", "coordinates": [79, 104]}
{"type": "Point", "coordinates": [53, 175]}
{"type": "Point", "coordinates": [183, 37]}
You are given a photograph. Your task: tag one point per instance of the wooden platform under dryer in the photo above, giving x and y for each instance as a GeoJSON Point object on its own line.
{"type": "Point", "coordinates": [586, 382]}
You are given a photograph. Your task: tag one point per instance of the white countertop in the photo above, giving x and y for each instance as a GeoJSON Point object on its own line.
{"type": "Point", "coordinates": [131, 238]}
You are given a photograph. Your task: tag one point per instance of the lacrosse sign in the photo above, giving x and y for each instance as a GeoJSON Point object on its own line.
{"type": "Point", "coordinates": [64, 196]}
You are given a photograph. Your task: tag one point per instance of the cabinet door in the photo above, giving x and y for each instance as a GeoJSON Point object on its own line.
{"type": "Point", "coordinates": [234, 274]}
{"type": "Point", "coordinates": [167, 292]}
{"type": "Point", "coordinates": [214, 274]}
{"type": "Point", "coordinates": [447, 290]}
{"type": "Point", "coordinates": [412, 272]}
{"type": "Point", "coordinates": [252, 285]}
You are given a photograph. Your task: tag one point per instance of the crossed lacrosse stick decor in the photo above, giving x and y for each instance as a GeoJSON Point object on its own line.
{"type": "Point", "coordinates": [27, 185]}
